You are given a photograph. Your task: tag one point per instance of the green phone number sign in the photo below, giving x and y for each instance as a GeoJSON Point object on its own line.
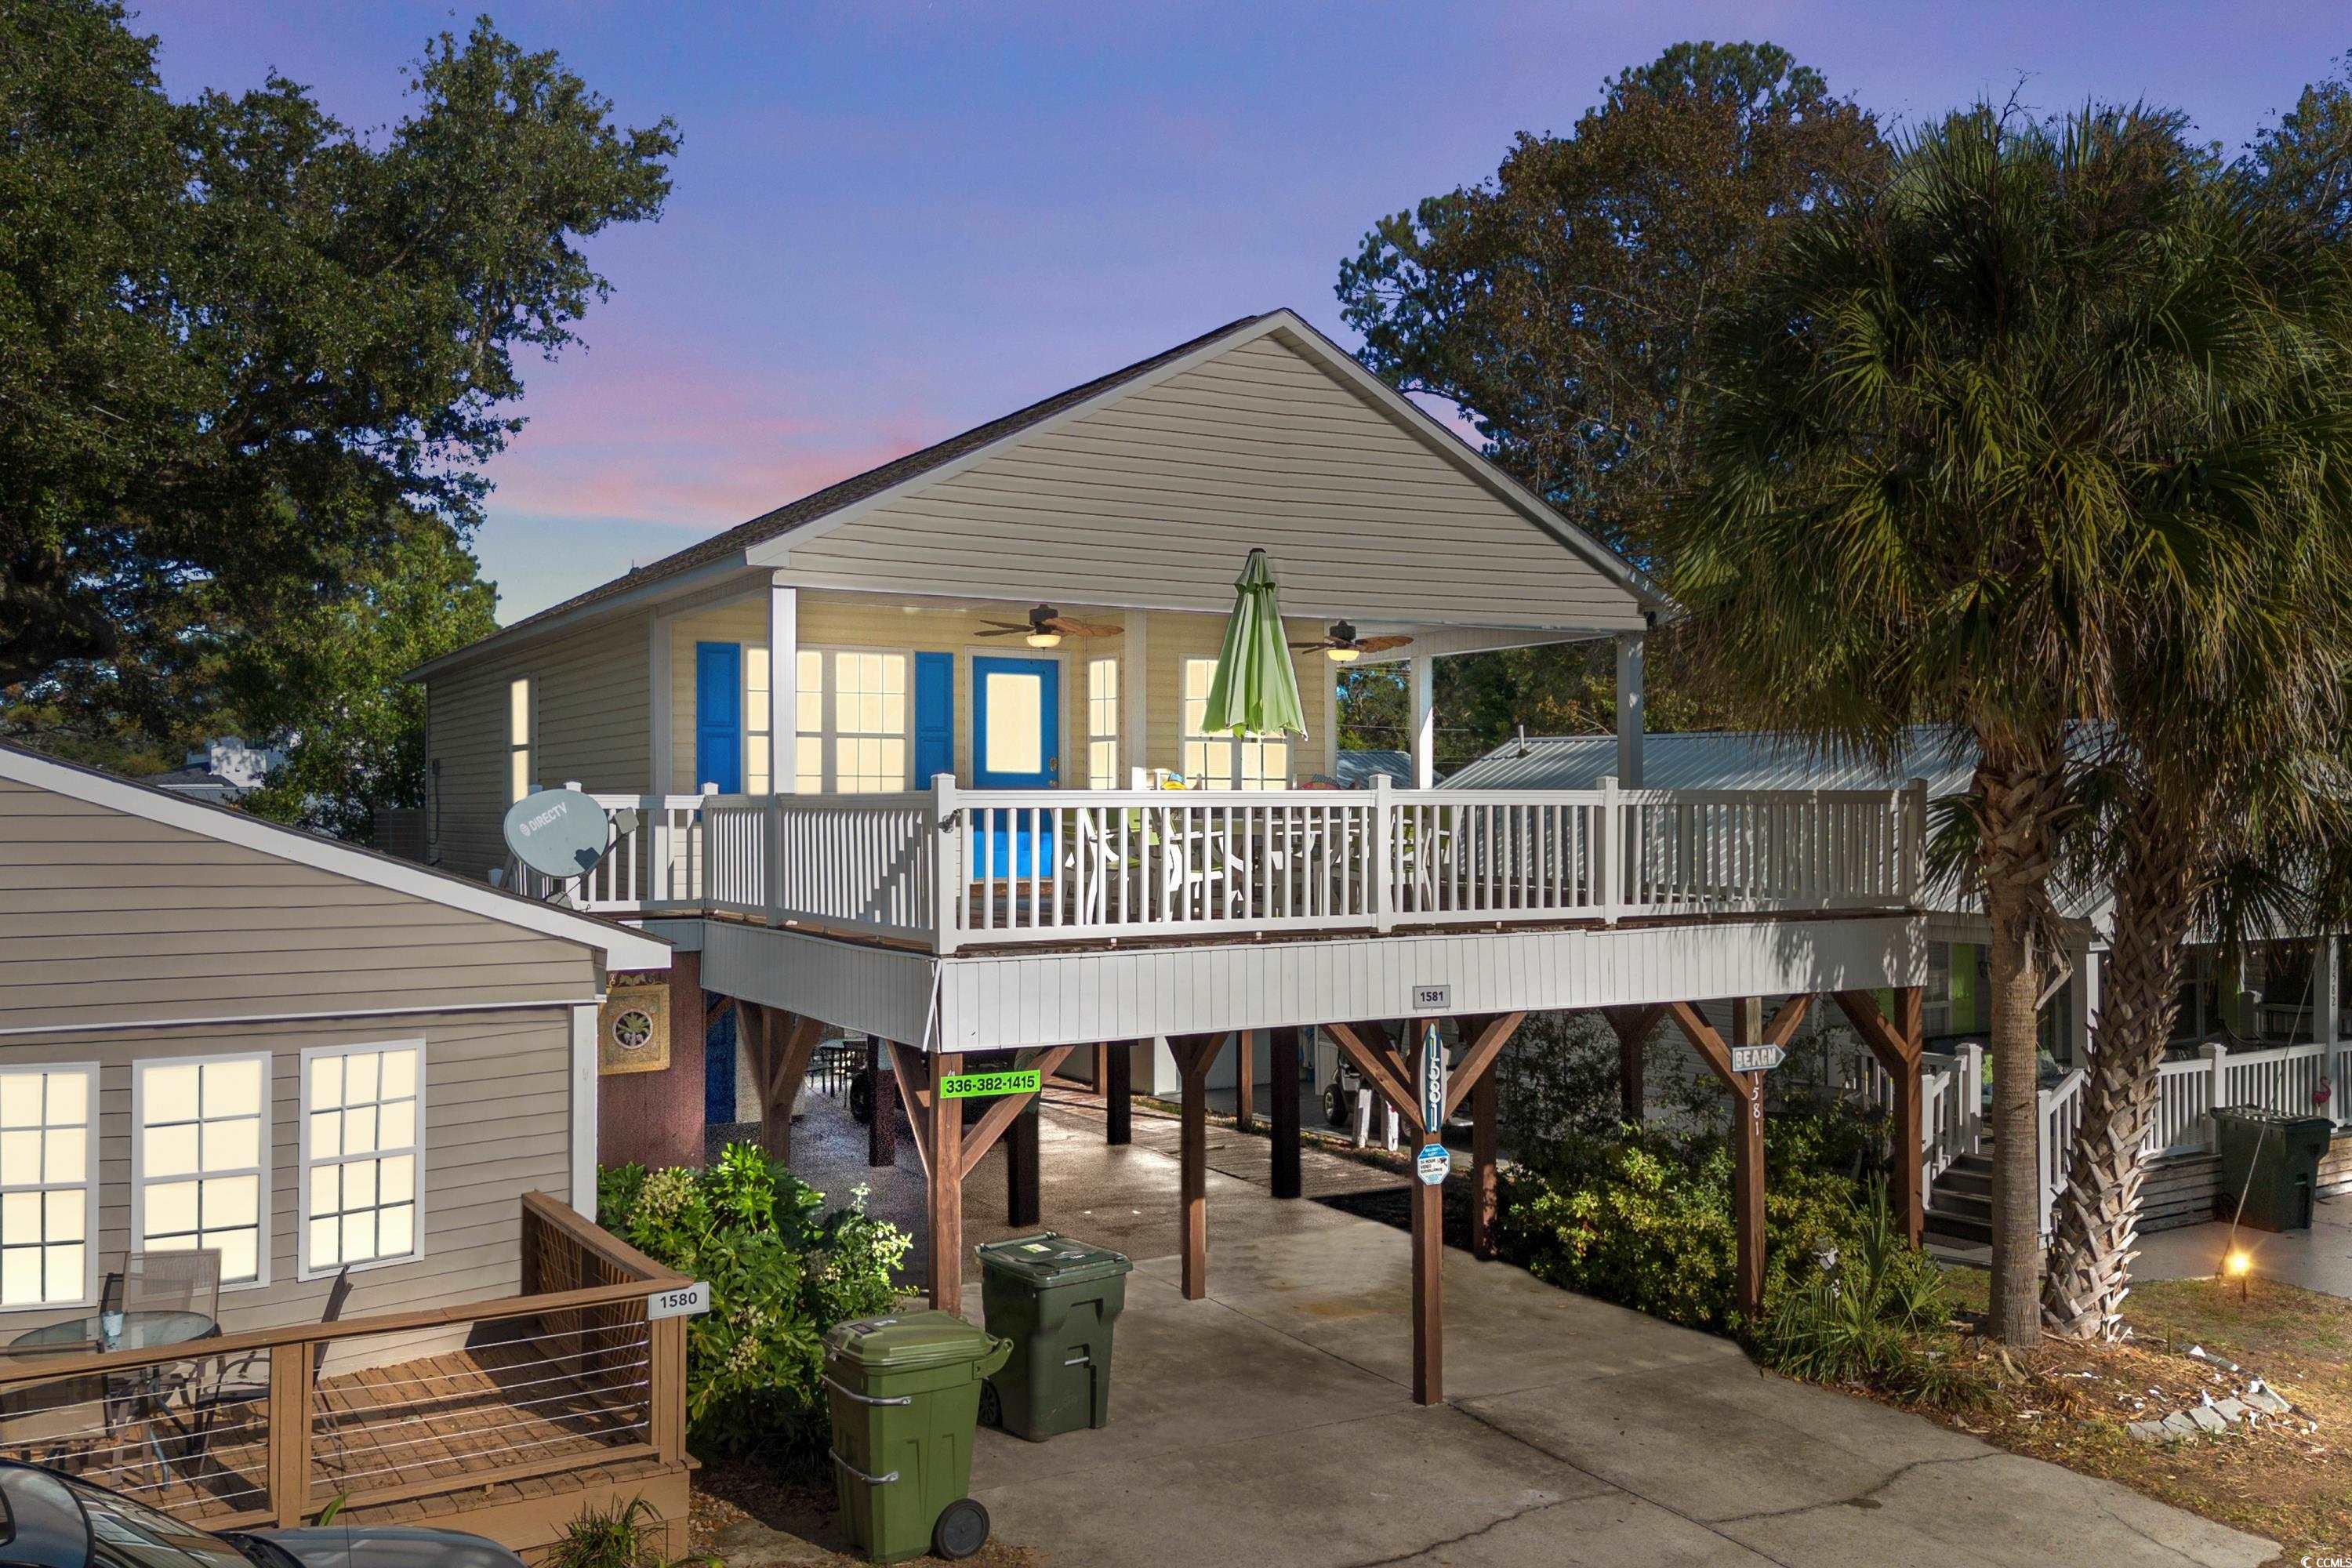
{"type": "Point", "coordinates": [981, 1084]}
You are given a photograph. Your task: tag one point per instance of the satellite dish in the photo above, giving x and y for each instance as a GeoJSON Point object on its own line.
{"type": "Point", "coordinates": [558, 833]}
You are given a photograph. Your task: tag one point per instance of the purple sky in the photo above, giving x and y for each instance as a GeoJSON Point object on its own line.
{"type": "Point", "coordinates": [893, 221]}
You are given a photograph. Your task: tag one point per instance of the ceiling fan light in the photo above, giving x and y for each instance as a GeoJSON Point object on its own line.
{"type": "Point", "coordinates": [1043, 640]}
{"type": "Point", "coordinates": [1343, 653]}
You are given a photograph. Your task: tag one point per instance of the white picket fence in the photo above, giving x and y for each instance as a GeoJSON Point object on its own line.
{"type": "Point", "coordinates": [949, 867]}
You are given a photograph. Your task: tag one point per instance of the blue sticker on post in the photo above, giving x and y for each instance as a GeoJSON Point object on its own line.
{"type": "Point", "coordinates": [1432, 1164]}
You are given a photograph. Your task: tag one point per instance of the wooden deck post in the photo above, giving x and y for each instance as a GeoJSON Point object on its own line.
{"type": "Point", "coordinates": [290, 1398]}
{"type": "Point", "coordinates": [1897, 1043]}
{"type": "Point", "coordinates": [1193, 1054]}
{"type": "Point", "coordinates": [946, 1120]}
{"type": "Point", "coordinates": [1428, 1255]}
{"type": "Point", "coordinates": [781, 1045]}
{"type": "Point", "coordinates": [882, 1125]}
{"type": "Point", "coordinates": [1634, 1027]}
{"type": "Point", "coordinates": [1284, 1057]}
{"type": "Point", "coordinates": [1021, 1161]}
{"type": "Point", "coordinates": [1244, 1073]}
{"type": "Point", "coordinates": [1102, 1071]}
{"type": "Point", "coordinates": [1118, 1090]}
{"type": "Point", "coordinates": [1747, 1146]}
{"type": "Point", "coordinates": [1484, 1109]}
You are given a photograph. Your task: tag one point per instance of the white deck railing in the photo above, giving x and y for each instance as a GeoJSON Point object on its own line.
{"type": "Point", "coordinates": [949, 867]}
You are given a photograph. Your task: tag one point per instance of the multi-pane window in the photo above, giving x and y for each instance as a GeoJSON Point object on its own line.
{"type": "Point", "coordinates": [1226, 761]}
{"type": "Point", "coordinates": [851, 713]}
{"type": "Point", "coordinates": [1102, 723]}
{"type": "Point", "coordinates": [201, 1166]}
{"type": "Point", "coordinates": [46, 1185]}
{"type": "Point", "coordinates": [755, 720]}
{"type": "Point", "coordinates": [518, 722]}
{"type": "Point", "coordinates": [363, 1131]}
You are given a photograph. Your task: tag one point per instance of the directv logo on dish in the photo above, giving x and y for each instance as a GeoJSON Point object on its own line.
{"type": "Point", "coordinates": [559, 808]}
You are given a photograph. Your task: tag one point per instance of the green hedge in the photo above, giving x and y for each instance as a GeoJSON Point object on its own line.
{"type": "Point", "coordinates": [782, 1269]}
{"type": "Point", "coordinates": [1643, 1216]}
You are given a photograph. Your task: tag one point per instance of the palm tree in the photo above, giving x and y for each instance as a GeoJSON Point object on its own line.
{"type": "Point", "coordinates": [1941, 434]}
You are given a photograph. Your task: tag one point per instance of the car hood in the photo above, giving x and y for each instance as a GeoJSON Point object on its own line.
{"type": "Point", "coordinates": [376, 1546]}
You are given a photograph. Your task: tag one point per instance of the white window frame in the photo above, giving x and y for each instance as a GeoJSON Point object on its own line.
{"type": "Point", "coordinates": [522, 757]}
{"type": "Point", "coordinates": [1102, 709]}
{"type": "Point", "coordinates": [752, 704]}
{"type": "Point", "coordinates": [303, 1269]}
{"type": "Point", "coordinates": [90, 1246]}
{"type": "Point", "coordinates": [139, 1178]}
{"type": "Point", "coordinates": [1187, 737]}
{"type": "Point", "coordinates": [828, 774]}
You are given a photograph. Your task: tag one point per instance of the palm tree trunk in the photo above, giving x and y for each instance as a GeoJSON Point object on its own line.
{"type": "Point", "coordinates": [2098, 1219]}
{"type": "Point", "coordinates": [2018, 798]}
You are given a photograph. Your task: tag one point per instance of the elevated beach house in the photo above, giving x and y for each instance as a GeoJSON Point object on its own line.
{"type": "Point", "coordinates": [922, 755]}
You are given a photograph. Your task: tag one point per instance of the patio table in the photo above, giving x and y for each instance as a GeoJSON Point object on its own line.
{"type": "Point", "coordinates": [146, 1329]}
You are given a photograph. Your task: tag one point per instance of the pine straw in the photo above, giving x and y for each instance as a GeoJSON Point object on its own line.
{"type": "Point", "coordinates": [2069, 1403]}
{"type": "Point", "coordinates": [729, 1491]}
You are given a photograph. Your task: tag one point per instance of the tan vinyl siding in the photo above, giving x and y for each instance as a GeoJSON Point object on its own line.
{"type": "Point", "coordinates": [1157, 498]}
{"type": "Point", "coordinates": [828, 619]}
{"type": "Point", "coordinates": [592, 702]}
{"type": "Point", "coordinates": [496, 1125]}
{"type": "Point", "coordinates": [111, 918]}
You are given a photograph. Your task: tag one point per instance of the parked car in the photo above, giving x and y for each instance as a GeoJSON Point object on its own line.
{"type": "Point", "coordinates": [54, 1520]}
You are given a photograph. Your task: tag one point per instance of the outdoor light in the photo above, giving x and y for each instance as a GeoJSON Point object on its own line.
{"type": "Point", "coordinates": [1342, 649]}
{"type": "Point", "coordinates": [1043, 640]}
{"type": "Point", "coordinates": [2237, 1265]}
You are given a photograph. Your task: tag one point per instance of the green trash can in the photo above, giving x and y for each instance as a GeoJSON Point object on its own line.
{"type": "Point", "coordinates": [904, 1398]}
{"type": "Point", "coordinates": [1057, 1301]}
{"type": "Point", "coordinates": [2273, 1159]}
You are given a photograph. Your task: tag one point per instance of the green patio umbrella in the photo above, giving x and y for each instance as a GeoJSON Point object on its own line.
{"type": "Point", "coordinates": [1255, 691]}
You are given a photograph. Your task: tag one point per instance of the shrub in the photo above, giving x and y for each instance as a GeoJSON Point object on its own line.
{"type": "Point", "coordinates": [1643, 1216]}
{"type": "Point", "coordinates": [627, 1535]}
{"type": "Point", "coordinates": [782, 1269]}
{"type": "Point", "coordinates": [1859, 1320]}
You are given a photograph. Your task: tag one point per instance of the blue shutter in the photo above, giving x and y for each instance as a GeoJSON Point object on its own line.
{"type": "Point", "coordinates": [719, 716]}
{"type": "Point", "coordinates": [934, 717]}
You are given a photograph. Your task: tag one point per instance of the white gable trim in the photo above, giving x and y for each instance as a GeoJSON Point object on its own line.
{"type": "Point", "coordinates": [623, 948]}
{"type": "Point", "coordinates": [1320, 350]}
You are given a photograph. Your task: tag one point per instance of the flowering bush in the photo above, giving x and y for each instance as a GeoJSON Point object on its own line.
{"type": "Point", "coordinates": [782, 1269]}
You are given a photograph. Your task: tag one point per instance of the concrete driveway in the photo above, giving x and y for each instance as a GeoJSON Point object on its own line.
{"type": "Point", "coordinates": [1272, 1422]}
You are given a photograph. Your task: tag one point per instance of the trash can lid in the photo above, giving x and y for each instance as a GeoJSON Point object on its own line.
{"type": "Point", "coordinates": [904, 1341]}
{"type": "Point", "coordinates": [1052, 1259]}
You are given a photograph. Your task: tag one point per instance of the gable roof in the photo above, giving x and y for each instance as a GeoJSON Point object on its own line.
{"type": "Point", "coordinates": [836, 503]}
{"type": "Point", "coordinates": [624, 947]}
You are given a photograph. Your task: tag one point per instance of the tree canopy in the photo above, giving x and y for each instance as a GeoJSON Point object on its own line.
{"type": "Point", "coordinates": [251, 358]}
{"type": "Point", "coordinates": [1558, 305]}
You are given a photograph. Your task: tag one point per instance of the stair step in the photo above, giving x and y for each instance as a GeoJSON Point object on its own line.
{"type": "Point", "coordinates": [1960, 1228]}
{"type": "Point", "coordinates": [1966, 1205]}
{"type": "Point", "coordinates": [1961, 1179]}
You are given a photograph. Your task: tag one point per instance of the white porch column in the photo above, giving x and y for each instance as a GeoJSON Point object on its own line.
{"type": "Point", "coordinates": [1134, 676]}
{"type": "Point", "coordinates": [1424, 720]}
{"type": "Point", "coordinates": [2323, 999]}
{"type": "Point", "coordinates": [658, 682]}
{"type": "Point", "coordinates": [2084, 1004]}
{"type": "Point", "coordinates": [1629, 710]}
{"type": "Point", "coordinates": [783, 683]}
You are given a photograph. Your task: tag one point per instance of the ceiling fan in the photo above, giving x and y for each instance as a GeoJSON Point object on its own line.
{"type": "Point", "coordinates": [1046, 627]}
{"type": "Point", "coordinates": [1344, 647]}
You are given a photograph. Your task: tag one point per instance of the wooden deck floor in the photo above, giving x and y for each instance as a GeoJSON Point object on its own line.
{"type": "Point", "coordinates": [529, 1426]}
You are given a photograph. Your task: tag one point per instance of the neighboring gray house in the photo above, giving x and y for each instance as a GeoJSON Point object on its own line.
{"type": "Point", "coordinates": [1357, 770]}
{"type": "Point", "coordinates": [220, 772]}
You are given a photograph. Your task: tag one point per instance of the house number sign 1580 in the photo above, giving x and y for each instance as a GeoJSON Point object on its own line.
{"type": "Point", "coordinates": [680, 1301]}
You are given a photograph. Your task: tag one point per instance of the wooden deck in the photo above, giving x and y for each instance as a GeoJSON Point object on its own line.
{"type": "Point", "coordinates": [507, 1418]}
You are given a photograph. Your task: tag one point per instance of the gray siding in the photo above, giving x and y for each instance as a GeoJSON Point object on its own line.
{"type": "Point", "coordinates": [497, 1125]}
{"type": "Point", "coordinates": [1156, 499]}
{"type": "Point", "coordinates": [592, 697]}
{"type": "Point", "coordinates": [110, 919]}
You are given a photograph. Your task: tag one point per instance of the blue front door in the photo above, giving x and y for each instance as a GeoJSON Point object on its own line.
{"type": "Point", "coordinates": [1016, 744]}
{"type": "Point", "coordinates": [719, 716]}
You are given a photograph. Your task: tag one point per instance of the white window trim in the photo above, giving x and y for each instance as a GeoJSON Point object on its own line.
{"type": "Point", "coordinates": [1115, 776]}
{"type": "Point", "coordinates": [89, 1245]}
{"type": "Point", "coordinates": [829, 713]}
{"type": "Point", "coordinates": [1186, 737]}
{"type": "Point", "coordinates": [530, 747]}
{"type": "Point", "coordinates": [303, 1271]}
{"type": "Point", "coordinates": [138, 1156]}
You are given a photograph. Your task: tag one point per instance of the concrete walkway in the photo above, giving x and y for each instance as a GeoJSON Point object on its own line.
{"type": "Point", "coordinates": [1274, 1422]}
{"type": "Point", "coordinates": [2319, 1259]}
